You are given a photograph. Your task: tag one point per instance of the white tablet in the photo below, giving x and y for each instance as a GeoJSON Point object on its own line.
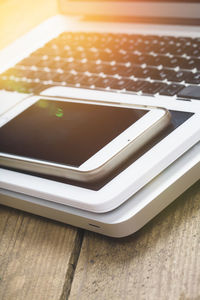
{"type": "Point", "coordinates": [129, 181]}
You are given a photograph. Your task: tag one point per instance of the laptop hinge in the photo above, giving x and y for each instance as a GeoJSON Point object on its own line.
{"type": "Point", "coordinates": [167, 21]}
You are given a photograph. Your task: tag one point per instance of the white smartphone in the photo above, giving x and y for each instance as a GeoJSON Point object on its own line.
{"type": "Point", "coordinates": [75, 139]}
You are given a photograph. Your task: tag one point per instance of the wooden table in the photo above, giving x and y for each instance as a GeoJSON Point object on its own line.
{"type": "Point", "coordinates": [42, 259]}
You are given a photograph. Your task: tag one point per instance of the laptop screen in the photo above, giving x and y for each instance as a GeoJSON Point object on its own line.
{"type": "Point", "coordinates": [173, 9]}
{"type": "Point", "coordinates": [145, 0]}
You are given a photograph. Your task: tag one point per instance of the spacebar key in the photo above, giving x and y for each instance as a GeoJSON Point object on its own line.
{"type": "Point", "coordinates": [191, 92]}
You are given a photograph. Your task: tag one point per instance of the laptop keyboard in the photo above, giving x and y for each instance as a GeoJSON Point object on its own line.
{"type": "Point", "coordinates": [142, 64]}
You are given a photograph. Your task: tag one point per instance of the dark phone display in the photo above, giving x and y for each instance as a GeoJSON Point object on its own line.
{"type": "Point", "coordinates": [65, 132]}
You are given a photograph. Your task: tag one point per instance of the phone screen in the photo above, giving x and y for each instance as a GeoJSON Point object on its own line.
{"type": "Point", "coordinates": [65, 132]}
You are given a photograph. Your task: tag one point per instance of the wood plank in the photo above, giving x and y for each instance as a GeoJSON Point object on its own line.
{"type": "Point", "coordinates": [36, 256]}
{"type": "Point", "coordinates": [161, 261]}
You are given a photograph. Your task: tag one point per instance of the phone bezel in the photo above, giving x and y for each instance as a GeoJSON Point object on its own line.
{"type": "Point", "coordinates": [106, 153]}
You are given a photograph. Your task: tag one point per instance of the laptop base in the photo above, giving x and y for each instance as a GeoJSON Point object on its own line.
{"type": "Point", "coordinates": [129, 217]}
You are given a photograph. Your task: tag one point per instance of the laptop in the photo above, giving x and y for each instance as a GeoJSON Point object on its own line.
{"type": "Point", "coordinates": [131, 52]}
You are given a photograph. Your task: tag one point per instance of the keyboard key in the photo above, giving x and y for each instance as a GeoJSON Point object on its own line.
{"type": "Point", "coordinates": [167, 74]}
{"type": "Point", "coordinates": [194, 78]}
{"type": "Point", "coordinates": [60, 77]}
{"type": "Point", "coordinates": [120, 84]}
{"type": "Point", "coordinates": [190, 92]}
{"type": "Point", "coordinates": [45, 76]}
{"type": "Point", "coordinates": [89, 80]}
{"type": "Point", "coordinates": [124, 57]}
{"type": "Point", "coordinates": [136, 86]}
{"type": "Point", "coordinates": [93, 68]}
{"type": "Point", "coordinates": [116, 69]}
{"type": "Point", "coordinates": [152, 88]}
{"type": "Point", "coordinates": [170, 75]}
{"type": "Point", "coordinates": [147, 59]}
{"type": "Point", "coordinates": [104, 82]}
{"type": "Point", "coordinates": [74, 79]}
{"type": "Point", "coordinates": [171, 89]}
{"type": "Point", "coordinates": [190, 64]}
{"type": "Point", "coordinates": [181, 76]}
{"type": "Point", "coordinates": [112, 70]}
{"type": "Point", "coordinates": [154, 73]}
{"type": "Point", "coordinates": [60, 64]}
{"type": "Point", "coordinates": [161, 60]}
{"type": "Point", "coordinates": [139, 72]}
{"type": "Point", "coordinates": [125, 71]}
{"type": "Point", "coordinates": [91, 56]}
{"type": "Point", "coordinates": [194, 52]}
{"type": "Point", "coordinates": [104, 56]}
{"type": "Point", "coordinates": [196, 63]}
{"type": "Point", "coordinates": [181, 62]}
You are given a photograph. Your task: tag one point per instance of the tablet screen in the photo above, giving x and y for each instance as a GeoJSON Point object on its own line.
{"type": "Point", "coordinates": [65, 132]}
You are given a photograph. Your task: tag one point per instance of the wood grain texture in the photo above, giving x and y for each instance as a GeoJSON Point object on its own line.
{"type": "Point", "coordinates": [35, 256]}
{"type": "Point", "coordinates": [160, 262]}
